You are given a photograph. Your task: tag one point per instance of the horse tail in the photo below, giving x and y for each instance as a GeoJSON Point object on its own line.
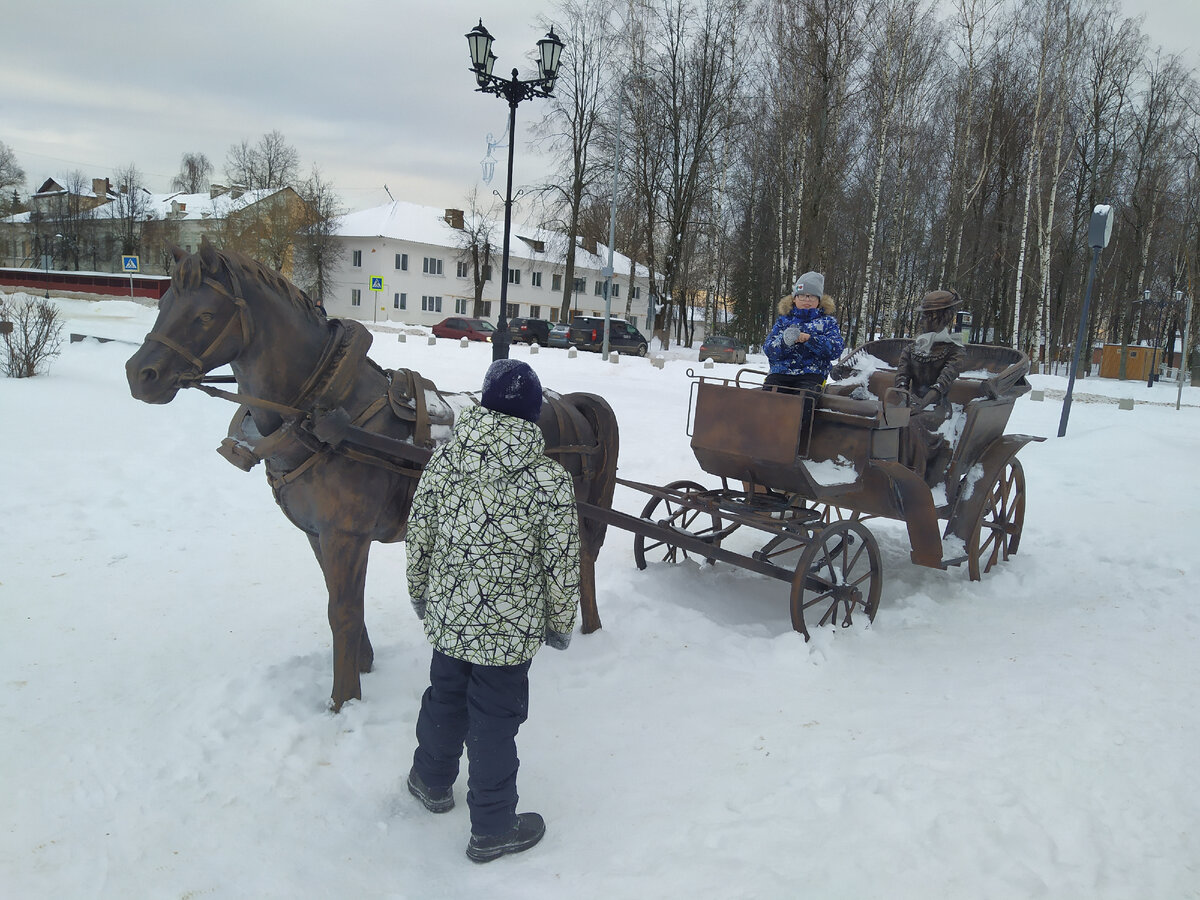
{"type": "Point", "coordinates": [601, 481]}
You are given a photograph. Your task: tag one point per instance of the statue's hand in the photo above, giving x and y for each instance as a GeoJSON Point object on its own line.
{"type": "Point", "coordinates": [931, 397]}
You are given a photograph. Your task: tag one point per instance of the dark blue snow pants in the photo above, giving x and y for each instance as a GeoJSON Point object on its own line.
{"type": "Point", "coordinates": [481, 707]}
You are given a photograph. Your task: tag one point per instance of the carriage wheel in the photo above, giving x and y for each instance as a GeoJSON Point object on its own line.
{"type": "Point", "coordinates": [674, 515]}
{"type": "Point", "coordinates": [997, 531]}
{"type": "Point", "coordinates": [839, 573]}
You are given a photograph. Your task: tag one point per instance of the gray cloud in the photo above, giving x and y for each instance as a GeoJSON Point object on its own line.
{"type": "Point", "coordinates": [372, 92]}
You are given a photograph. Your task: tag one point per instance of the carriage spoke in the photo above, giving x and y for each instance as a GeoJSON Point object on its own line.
{"type": "Point", "coordinates": [840, 571]}
{"type": "Point", "coordinates": [997, 531]}
{"type": "Point", "coordinates": [677, 516]}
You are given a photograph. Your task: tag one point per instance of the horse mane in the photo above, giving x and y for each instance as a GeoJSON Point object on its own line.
{"type": "Point", "coordinates": [191, 270]}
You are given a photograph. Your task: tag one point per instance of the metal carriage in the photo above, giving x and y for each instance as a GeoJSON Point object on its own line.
{"type": "Point", "coordinates": [810, 469]}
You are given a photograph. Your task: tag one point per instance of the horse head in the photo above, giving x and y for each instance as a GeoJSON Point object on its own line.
{"type": "Point", "coordinates": [203, 323]}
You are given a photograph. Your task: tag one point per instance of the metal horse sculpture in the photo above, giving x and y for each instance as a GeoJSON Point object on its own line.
{"type": "Point", "coordinates": [343, 439]}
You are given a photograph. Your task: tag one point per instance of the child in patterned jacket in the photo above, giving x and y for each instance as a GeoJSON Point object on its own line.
{"type": "Point", "coordinates": [493, 570]}
{"type": "Point", "coordinates": [805, 339]}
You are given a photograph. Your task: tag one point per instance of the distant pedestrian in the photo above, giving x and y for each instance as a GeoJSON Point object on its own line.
{"type": "Point", "coordinates": [493, 570]}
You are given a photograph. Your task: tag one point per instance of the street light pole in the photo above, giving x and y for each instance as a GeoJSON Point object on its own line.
{"type": "Point", "coordinates": [513, 90]}
{"type": "Point", "coordinates": [1153, 340]}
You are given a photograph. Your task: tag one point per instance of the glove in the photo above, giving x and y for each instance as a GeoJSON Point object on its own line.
{"type": "Point", "coordinates": [557, 639]}
{"type": "Point", "coordinates": [932, 396]}
{"type": "Point", "coordinates": [791, 334]}
{"type": "Point", "coordinates": [419, 607]}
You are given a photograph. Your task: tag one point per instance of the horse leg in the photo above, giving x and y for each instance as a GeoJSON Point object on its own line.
{"type": "Point", "coordinates": [366, 653]}
{"type": "Point", "coordinates": [587, 591]}
{"type": "Point", "coordinates": [343, 559]}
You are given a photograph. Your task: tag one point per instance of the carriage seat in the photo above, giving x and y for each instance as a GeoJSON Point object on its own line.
{"type": "Point", "coordinates": [988, 373]}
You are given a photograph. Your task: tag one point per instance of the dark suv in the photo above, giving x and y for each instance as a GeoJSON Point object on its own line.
{"type": "Point", "coordinates": [529, 330]}
{"type": "Point", "coordinates": [587, 333]}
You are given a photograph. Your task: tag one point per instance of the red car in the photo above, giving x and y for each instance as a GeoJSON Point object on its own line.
{"type": "Point", "coordinates": [459, 327]}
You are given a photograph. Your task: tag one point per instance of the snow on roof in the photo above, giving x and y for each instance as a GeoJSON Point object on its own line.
{"type": "Point", "coordinates": [178, 206]}
{"type": "Point", "coordinates": [404, 221]}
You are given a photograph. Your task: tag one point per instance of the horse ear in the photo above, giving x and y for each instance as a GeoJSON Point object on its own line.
{"type": "Point", "coordinates": [208, 253]}
{"type": "Point", "coordinates": [177, 252]}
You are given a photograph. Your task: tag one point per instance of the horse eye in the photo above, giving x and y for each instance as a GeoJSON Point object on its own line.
{"type": "Point", "coordinates": [204, 318]}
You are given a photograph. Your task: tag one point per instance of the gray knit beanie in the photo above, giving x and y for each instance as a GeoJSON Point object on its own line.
{"type": "Point", "coordinates": [810, 283]}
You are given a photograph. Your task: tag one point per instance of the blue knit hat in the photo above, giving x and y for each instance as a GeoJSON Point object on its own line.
{"type": "Point", "coordinates": [512, 388]}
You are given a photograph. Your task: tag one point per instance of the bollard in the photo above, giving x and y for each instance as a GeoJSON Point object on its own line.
{"type": "Point", "coordinates": [657, 362]}
{"type": "Point", "coordinates": [1125, 403]}
{"type": "Point", "coordinates": [401, 338]}
{"type": "Point", "coordinates": [614, 357]}
{"type": "Point", "coordinates": [572, 353]}
{"type": "Point", "coordinates": [1039, 396]}
{"type": "Point", "coordinates": [708, 363]}
{"type": "Point", "coordinates": [432, 340]}
{"type": "Point", "coordinates": [464, 343]}
{"type": "Point", "coordinates": [533, 348]}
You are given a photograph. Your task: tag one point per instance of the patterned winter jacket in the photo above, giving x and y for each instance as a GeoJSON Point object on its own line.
{"type": "Point", "coordinates": [811, 357]}
{"type": "Point", "coordinates": [493, 542]}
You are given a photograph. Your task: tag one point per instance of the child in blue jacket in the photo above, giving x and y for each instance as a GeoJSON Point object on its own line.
{"type": "Point", "coordinates": [805, 339]}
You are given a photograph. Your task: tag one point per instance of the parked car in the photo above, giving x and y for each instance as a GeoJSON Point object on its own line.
{"type": "Point", "coordinates": [587, 333]}
{"type": "Point", "coordinates": [529, 330]}
{"type": "Point", "coordinates": [559, 336]}
{"type": "Point", "coordinates": [722, 349]}
{"type": "Point", "coordinates": [459, 327]}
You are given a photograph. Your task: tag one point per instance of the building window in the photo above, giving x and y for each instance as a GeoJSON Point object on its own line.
{"type": "Point", "coordinates": [599, 289]}
{"type": "Point", "coordinates": [400, 301]}
{"type": "Point", "coordinates": [580, 285]}
{"type": "Point", "coordinates": [487, 307]}
{"type": "Point", "coordinates": [431, 304]}
{"type": "Point", "coordinates": [556, 282]}
{"type": "Point", "coordinates": [460, 306]}
{"type": "Point", "coordinates": [514, 276]}
{"type": "Point", "coordinates": [554, 314]}
{"type": "Point", "coordinates": [633, 321]}
{"type": "Point", "coordinates": [356, 259]}
{"type": "Point", "coordinates": [535, 279]}
{"type": "Point", "coordinates": [464, 270]}
{"type": "Point", "coordinates": [535, 312]}
{"type": "Point", "coordinates": [355, 296]}
{"type": "Point", "coordinates": [432, 266]}
{"type": "Point", "coordinates": [616, 289]}
{"type": "Point", "coordinates": [635, 293]}
{"type": "Point", "coordinates": [402, 262]}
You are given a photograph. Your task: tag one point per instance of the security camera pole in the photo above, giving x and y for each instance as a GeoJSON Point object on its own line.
{"type": "Point", "coordinates": [1099, 231]}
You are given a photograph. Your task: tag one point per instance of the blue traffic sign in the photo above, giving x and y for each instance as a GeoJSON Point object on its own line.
{"type": "Point", "coordinates": [129, 263]}
{"type": "Point", "coordinates": [377, 282]}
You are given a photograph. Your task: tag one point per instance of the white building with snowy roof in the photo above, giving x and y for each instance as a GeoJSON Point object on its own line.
{"type": "Point", "coordinates": [422, 255]}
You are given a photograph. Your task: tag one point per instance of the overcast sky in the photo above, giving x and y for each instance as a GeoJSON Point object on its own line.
{"type": "Point", "coordinates": [373, 92]}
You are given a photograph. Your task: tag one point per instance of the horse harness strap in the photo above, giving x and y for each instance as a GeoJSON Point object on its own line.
{"type": "Point", "coordinates": [240, 316]}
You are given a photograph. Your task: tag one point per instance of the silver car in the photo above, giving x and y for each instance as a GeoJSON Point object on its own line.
{"type": "Point", "coordinates": [558, 335]}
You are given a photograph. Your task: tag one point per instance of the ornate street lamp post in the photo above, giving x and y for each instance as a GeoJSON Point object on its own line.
{"type": "Point", "coordinates": [514, 91]}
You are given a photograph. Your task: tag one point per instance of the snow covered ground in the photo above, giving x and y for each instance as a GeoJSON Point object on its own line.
{"type": "Point", "coordinates": [165, 665]}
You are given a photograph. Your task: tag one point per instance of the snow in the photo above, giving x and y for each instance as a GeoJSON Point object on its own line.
{"type": "Point", "coordinates": [165, 666]}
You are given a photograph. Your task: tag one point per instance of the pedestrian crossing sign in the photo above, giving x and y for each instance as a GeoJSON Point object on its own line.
{"type": "Point", "coordinates": [129, 264]}
{"type": "Point", "coordinates": [377, 282]}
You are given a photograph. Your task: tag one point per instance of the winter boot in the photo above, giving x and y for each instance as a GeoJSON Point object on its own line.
{"type": "Point", "coordinates": [436, 800]}
{"type": "Point", "coordinates": [526, 831]}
